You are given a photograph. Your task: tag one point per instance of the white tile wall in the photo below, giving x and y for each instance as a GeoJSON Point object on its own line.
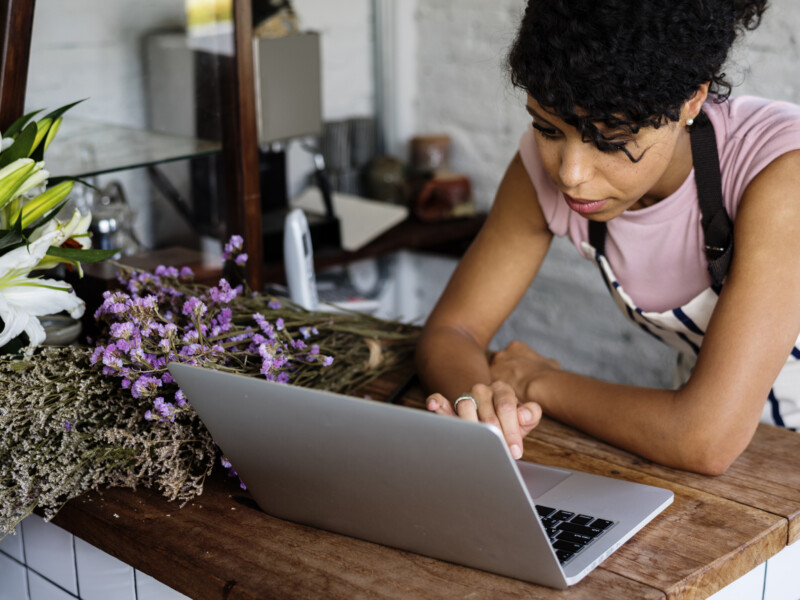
{"type": "Point", "coordinates": [12, 545]}
{"type": "Point", "coordinates": [44, 562]}
{"type": "Point", "coordinates": [747, 587]}
{"type": "Point", "coordinates": [13, 579]}
{"type": "Point", "coordinates": [101, 576]}
{"type": "Point", "coordinates": [42, 589]}
{"type": "Point", "coordinates": [49, 550]}
{"type": "Point", "coordinates": [148, 588]}
{"type": "Point", "coordinates": [783, 581]}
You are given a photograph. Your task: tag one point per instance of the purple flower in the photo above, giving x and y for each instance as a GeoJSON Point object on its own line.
{"type": "Point", "coordinates": [283, 378]}
{"type": "Point", "coordinates": [190, 350]}
{"type": "Point", "coordinates": [241, 260]}
{"type": "Point", "coordinates": [122, 330]}
{"type": "Point", "coordinates": [111, 357]}
{"type": "Point", "coordinates": [145, 386]}
{"type": "Point", "coordinates": [96, 354]}
{"type": "Point", "coordinates": [148, 415]}
{"type": "Point", "coordinates": [167, 271]}
{"type": "Point", "coordinates": [327, 361]}
{"type": "Point", "coordinates": [233, 247]}
{"type": "Point", "coordinates": [194, 306]}
{"type": "Point", "coordinates": [274, 304]}
{"type": "Point", "coordinates": [180, 398]}
{"type": "Point", "coordinates": [187, 273]}
{"type": "Point", "coordinates": [223, 293]}
{"type": "Point", "coordinates": [165, 409]}
{"type": "Point", "coordinates": [314, 349]}
{"type": "Point", "coordinates": [279, 324]}
{"type": "Point", "coordinates": [68, 426]}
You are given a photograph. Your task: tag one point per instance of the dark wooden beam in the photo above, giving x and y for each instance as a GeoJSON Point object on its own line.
{"type": "Point", "coordinates": [16, 28]}
{"type": "Point", "coordinates": [240, 143]}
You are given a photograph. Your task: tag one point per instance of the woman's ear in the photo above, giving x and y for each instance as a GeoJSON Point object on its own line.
{"type": "Point", "coordinates": [691, 108]}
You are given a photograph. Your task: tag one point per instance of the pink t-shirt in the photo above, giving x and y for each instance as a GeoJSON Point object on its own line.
{"type": "Point", "coordinates": [657, 252]}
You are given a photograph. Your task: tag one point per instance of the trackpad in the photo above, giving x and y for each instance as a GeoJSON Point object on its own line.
{"type": "Point", "coordinates": [540, 479]}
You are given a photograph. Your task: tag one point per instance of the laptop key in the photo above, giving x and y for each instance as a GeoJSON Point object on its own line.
{"type": "Point", "coordinates": [563, 515]}
{"type": "Point", "coordinates": [602, 524]}
{"type": "Point", "coordinates": [549, 523]}
{"type": "Point", "coordinates": [568, 546]}
{"type": "Point", "coordinates": [581, 519]}
{"type": "Point", "coordinates": [544, 511]}
{"type": "Point", "coordinates": [575, 538]}
{"type": "Point", "coordinates": [582, 529]}
{"type": "Point", "coordinates": [563, 555]}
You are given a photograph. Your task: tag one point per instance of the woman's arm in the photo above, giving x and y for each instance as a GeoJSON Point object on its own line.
{"type": "Point", "coordinates": [490, 280]}
{"type": "Point", "coordinates": [705, 425]}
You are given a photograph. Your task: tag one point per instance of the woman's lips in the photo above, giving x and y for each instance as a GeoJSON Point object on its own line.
{"type": "Point", "coordinates": [583, 206]}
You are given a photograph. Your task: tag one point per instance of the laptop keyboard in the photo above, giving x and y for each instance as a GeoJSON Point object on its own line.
{"type": "Point", "coordinates": [570, 532]}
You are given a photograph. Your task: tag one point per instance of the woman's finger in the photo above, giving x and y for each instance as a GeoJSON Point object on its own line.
{"type": "Point", "coordinates": [505, 407]}
{"type": "Point", "coordinates": [466, 405]}
{"type": "Point", "coordinates": [529, 415]}
{"type": "Point", "coordinates": [439, 404]}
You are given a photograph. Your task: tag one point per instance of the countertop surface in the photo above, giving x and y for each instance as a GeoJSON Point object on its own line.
{"type": "Point", "coordinates": [222, 546]}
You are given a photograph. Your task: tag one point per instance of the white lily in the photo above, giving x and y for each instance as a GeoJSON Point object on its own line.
{"type": "Point", "coordinates": [77, 228]}
{"type": "Point", "coordinates": [24, 298]}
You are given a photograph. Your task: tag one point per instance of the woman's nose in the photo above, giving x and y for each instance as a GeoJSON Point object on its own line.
{"type": "Point", "coordinates": [577, 166]}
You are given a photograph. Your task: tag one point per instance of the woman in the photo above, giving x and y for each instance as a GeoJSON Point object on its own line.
{"type": "Point", "coordinates": [625, 98]}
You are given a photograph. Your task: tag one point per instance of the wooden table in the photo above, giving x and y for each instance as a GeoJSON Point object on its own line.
{"type": "Point", "coordinates": [222, 546]}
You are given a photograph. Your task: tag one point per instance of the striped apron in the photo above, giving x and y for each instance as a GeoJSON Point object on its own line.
{"type": "Point", "coordinates": [683, 329]}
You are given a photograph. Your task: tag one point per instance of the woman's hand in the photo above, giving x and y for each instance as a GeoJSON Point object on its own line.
{"type": "Point", "coordinates": [518, 365]}
{"type": "Point", "coordinates": [497, 405]}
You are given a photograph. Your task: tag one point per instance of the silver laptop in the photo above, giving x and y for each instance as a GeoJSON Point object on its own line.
{"type": "Point", "coordinates": [411, 479]}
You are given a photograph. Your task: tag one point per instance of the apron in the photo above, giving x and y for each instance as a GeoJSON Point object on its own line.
{"type": "Point", "coordinates": [683, 328]}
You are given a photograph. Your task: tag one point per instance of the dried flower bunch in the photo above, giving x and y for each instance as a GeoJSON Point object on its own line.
{"type": "Point", "coordinates": [75, 419]}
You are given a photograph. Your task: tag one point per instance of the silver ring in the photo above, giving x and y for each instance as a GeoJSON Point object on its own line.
{"type": "Point", "coordinates": [464, 397]}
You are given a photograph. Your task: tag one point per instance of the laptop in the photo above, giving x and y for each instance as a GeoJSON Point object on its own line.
{"type": "Point", "coordinates": [414, 480]}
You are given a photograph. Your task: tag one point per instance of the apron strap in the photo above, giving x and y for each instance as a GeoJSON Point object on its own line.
{"type": "Point", "coordinates": [717, 225]}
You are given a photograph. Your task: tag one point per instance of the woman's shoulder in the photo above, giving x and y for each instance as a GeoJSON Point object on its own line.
{"type": "Point", "coordinates": [751, 133]}
{"type": "Point", "coordinates": [746, 118]}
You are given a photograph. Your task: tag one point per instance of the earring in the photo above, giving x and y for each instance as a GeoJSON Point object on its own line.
{"type": "Point", "coordinates": [689, 122]}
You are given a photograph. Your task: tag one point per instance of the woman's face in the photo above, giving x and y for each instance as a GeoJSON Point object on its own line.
{"type": "Point", "coordinates": [601, 185]}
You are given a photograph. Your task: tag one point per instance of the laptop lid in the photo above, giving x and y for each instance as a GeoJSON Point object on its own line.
{"type": "Point", "coordinates": [402, 477]}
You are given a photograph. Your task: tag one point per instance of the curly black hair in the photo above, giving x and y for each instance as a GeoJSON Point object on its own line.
{"type": "Point", "coordinates": [625, 63]}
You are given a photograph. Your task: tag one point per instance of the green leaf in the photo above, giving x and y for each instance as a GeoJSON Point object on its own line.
{"type": "Point", "coordinates": [60, 111]}
{"type": "Point", "coordinates": [90, 255]}
{"type": "Point", "coordinates": [10, 239]}
{"type": "Point", "coordinates": [21, 147]}
{"type": "Point", "coordinates": [20, 123]}
{"type": "Point", "coordinates": [42, 128]}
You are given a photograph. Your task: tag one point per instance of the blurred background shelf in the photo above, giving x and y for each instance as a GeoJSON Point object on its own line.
{"type": "Point", "coordinates": [86, 148]}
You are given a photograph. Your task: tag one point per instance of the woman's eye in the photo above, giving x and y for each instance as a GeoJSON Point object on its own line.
{"type": "Point", "coordinates": [611, 146]}
{"type": "Point", "coordinates": [546, 132]}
